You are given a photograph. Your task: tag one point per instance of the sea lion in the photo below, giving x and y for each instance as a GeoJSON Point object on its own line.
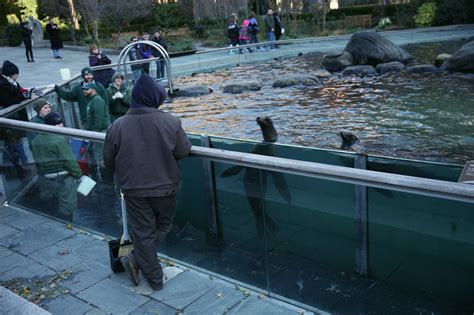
{"type": "Point", "coordinates": [252, 182]}
{"type": "Point", "coordinates": [349, 141]}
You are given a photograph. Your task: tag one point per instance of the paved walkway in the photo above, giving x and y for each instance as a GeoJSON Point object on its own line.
{"type": "Point", "coordinates": [65, 270]}
{"type": "Point", "coordinates": [46, 70]}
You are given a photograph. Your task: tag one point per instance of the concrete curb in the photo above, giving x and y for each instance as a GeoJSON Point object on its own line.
{"type": "Point", "coordinates": [14, 304]}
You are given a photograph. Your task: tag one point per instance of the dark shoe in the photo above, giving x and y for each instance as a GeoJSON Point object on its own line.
{"type": "Point", "coordinates": [131, 269]}
{"type": "Point", "coordinates": [156, 286]}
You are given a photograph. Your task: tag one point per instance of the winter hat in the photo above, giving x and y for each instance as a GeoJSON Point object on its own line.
{"type": "Point", "coordinates": [118, 75]}
{"type": "Point", "coordinates": [86, 70]}
{"type": "Point", "coordinates": [53, 119]}
{"type": "Point", "coordinates": [39, 103]}
{"type": "Point", "coordinates": [9, 68]}
{"type": "Point", "coordinates": [147, 93]}
{"type": "Point", "coordinates": [89, 85]}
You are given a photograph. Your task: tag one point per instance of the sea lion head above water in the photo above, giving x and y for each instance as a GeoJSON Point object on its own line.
{"type": "Point", "coordinates": [348, 140]}
{"type": "Point", "coordinates": [269, 132]}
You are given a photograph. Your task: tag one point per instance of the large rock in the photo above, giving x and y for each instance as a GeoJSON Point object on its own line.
{"type": "Point", "coordinates": [361, 70]}
{"type": "Point", "coordinates": [191, 91]}
{"type": "Point", "coordinates": [337, 62]}
{"type": "Point", "coordinates": [298, 79]}
{"type": "Point", "coordinates": [462, 60]}
{"type": "Point", "coordinates": [370, 48]}
{"type": "Point", "coordinates": [238, 87]}
{"type": "Point", "coordinates": [383, 68]}
{"type": "Point", "coordinates": [422, 69]}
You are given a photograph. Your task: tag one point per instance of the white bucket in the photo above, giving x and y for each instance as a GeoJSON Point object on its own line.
{"type": "Point", "coordinates": [85, 185]}
{"type": "Point", "coordinates": [65, 74]}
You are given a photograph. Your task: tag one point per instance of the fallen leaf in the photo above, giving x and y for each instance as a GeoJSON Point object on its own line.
{"type": "Point", "coordinates": [69, 226]}
{"type": "Point", "coordinates": [261, 296]}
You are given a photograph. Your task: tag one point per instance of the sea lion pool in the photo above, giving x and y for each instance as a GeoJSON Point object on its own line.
{"type": "Point", "coordinates": [416, 116]}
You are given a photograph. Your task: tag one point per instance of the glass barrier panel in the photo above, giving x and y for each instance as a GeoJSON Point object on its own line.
{"type": "Point", "coordinates": [308, 223]}
{"type": "Point", "coordinates": [46, 181]}
{"type": "Point", "coordinates": [422, 244]}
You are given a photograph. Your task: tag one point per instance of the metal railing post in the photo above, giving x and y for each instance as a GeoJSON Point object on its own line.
{"type": "Point", "coordinates": [209, 187]}
{"type": "Point", "coordinates": [361, 217]}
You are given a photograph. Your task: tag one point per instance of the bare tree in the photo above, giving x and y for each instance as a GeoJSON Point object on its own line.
{"type": "Point", "coordinates": [119, 12]}
{"type": "Point", "coordinates": [90, 11]}
{"type": "Point", "coordinates": [62, 8]}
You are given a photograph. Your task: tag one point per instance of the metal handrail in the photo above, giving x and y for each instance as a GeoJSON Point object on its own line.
{"type": "Point", "coordinates": [409, 184]}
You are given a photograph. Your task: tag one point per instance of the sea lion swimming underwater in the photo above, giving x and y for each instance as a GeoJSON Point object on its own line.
{"type": "Point", "coordinates": [252, 179]}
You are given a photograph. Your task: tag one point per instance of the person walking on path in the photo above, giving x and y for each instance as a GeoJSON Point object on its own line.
{"type": "Point", "coordinates": [142, 149]}
{"type": "Point", "coordinates": [233, 31]}
{"type": "Point", "coordinates": [270, 28]}
{"type": "Point", "coordinates": [77, 94]}
{"type": "Point", "coordinates": [57, 168]}
{"type": "Point", "coordinates": [26, 32]}
{"type": "Point", "coordinates": [253, 30]}
{"type": "Point", "coordinates": [56, 43]}
{"type": "Point", "coordinates": [119, 97]}
{"type": "Point", "coordinates": [278, 27]}
{"type": "Point", "coordinates": [98, 58]}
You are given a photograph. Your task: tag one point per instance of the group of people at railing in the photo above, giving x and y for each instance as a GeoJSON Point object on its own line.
{"type": "Point", "coordinates": [141, 149]}
{"type": "Point", "coordinates": [145, 51]}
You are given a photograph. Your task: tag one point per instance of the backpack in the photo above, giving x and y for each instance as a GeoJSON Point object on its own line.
{"type": "Point", "coordinates": [253, 28]}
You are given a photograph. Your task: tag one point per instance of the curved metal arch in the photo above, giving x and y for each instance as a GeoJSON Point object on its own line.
{"type": "Point", "coordinates": [122, 58]}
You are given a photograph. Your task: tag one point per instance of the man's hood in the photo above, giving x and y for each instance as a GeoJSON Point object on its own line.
{"type": "Point", "coordinates": [147, 93]}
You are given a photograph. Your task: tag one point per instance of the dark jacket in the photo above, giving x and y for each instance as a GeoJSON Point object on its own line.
{"type": "Point", "coordinates": [54, 38]}
{"type": "Point", "coordinates": [9, 93]}
{"type": "Point", "coordinates": [134, 54]}
{"type": "Point", "coordinates": [119, 106]}
{"type": "Point", "coordinates": [142, 147]}
{"type": "Point", "coordinates": [103, 76]}
{"type": "Point", "coordinates": [26, 32]}
{"type": "Point", "coordinates": [269, 23]}
{"type": "Point", "coordinates": [162, 42]}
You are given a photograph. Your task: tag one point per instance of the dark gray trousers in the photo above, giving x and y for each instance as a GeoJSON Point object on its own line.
{"type": "Point", "coordinates": [151, 219]}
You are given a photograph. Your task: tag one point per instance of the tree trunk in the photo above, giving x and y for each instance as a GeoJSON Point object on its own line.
{"type": "Point", "coordinates": [73, 19]}
{"type": "Point", "coordinates": [95, 30]}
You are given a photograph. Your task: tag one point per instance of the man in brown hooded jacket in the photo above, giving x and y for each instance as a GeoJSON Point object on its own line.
{"type": "Point", "coordinates": [142, 148]}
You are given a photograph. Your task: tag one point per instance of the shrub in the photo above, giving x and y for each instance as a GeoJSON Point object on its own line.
{"type": "Point", "coordinates": [182, 44]}
{"type": "Point", "coordinates": [13, 34]}
{"type": "Point", "coordinates": [426, 15]}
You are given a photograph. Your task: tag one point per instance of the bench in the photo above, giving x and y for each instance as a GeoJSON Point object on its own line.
{"type": "Point", "coordinates": [120, 38]}
{"type": "Point", "coordinates": [364, 20]}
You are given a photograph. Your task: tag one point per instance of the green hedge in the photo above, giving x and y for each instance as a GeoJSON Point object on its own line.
{"type": "Point", "coordinates": [13, 34]}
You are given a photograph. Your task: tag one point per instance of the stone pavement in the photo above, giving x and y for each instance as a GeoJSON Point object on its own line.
{"type": "Point", "coordinates": [65, 270]}
{"type": "Point", "coordinates": [46, 70]}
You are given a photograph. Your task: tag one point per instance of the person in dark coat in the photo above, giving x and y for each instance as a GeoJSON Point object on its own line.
{"type": "Point", "coordinates": [11, 91]}
{"type": "Point", "coordinates": [26, 32]}
{"type": "Point", "coordinates": [142, 149]}
{"type": "Point", "coordinates": [160, 64]}
{"type": "Point", "coordinates": [134, 55]}
{"type": "Point", "coordinates": [56, 43]}
{"type": "Point", "coordinates": [278, 27]}
{"type": "Point", "coordinates": [98, 58]}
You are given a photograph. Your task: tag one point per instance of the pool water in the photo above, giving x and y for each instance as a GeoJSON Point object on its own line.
{"type": "Point", "coordinates": [417, 116]}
